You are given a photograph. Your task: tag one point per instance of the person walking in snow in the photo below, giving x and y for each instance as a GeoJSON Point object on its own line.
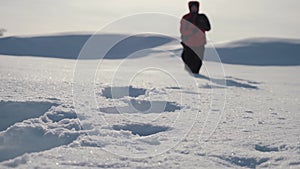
{"type": "Point", "coordinates": [192, 28]}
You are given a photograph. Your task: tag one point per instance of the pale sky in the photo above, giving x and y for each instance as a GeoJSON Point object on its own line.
{"type": "Point", "coordinates": [230, 19]}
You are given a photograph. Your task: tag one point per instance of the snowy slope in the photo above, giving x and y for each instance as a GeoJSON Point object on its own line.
{"type": "Point", "coordinates": [255, 51]}
{"type": "Point", "coordinates": [261, 52]}
{"type": "Point", "coordinates": [147, 112]}
{"type": "Point", "coordinates": [68, 46]}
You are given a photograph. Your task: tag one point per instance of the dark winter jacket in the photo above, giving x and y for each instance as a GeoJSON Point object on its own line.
{"type": "Point", "coordinates": [193, 27]}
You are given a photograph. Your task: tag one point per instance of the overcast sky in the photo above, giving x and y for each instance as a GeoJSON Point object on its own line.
{"type": "Point", "coordinates": [231, 19]}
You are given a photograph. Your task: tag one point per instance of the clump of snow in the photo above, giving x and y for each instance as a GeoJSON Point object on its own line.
{"type": "Point", "coordinates": [13, 112]}
{"type": "Point", "coordinates": [18, 161]}
{"type": "Point", "coordinates": [42, 130]}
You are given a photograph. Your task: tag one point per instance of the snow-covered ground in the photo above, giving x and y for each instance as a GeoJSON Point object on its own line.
{"type": "Point", "coordinates": [146, 111]}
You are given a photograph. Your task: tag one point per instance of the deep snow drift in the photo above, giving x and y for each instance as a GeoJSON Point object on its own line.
{"type": "Point", "coordinates": [147, 111]}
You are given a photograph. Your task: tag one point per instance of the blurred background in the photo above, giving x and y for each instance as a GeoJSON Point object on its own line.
{"type": "Point", "coordinates": [231, 20]}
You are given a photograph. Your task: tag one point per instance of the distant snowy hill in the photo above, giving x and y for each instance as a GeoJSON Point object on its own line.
{"type": "Point", "coordinates": [261, 52]}
{"type": "Point", "coordinates": [69, 46]}
{"type": "Point", "coordinates": [256, 51]}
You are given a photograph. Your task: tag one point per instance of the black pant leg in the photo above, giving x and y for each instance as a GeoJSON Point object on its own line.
{"type": "Point", "coordinates": [191, 59]}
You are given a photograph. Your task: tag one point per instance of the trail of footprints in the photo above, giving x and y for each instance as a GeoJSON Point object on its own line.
{"type": "Point", "coordinates": [135, 105]}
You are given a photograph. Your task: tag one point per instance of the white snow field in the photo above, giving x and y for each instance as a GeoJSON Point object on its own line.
{"type": "Point", "coordinates": [139, 108]}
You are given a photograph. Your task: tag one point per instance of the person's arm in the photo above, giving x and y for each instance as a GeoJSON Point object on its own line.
{"type": "Point", "coordinates": [204, 22]}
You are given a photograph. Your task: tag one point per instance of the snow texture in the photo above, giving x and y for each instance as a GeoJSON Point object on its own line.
{"type": "Point", "coordinates": [153, 121]}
